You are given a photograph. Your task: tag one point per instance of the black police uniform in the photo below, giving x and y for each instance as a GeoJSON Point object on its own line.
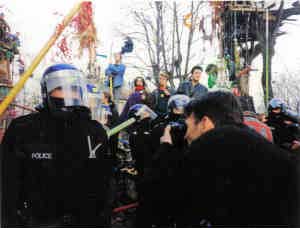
{"type": "Point", "coordinates": [55, 172]}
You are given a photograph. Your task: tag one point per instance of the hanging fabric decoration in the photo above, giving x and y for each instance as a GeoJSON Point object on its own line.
{"type": "Point", "coordinates": [86, 30]}
{"type": "Point", "coordinates": [9, 44]}
{"type": "Point", "coordinates": [237, 55]}
{"type": "Point", "coordinates": [201, 26]}
{"type": "Point", "coordinates": [244, 71]}
{"type": "Point", "coordinates": [230, 65]}
{"type": "Point", "coordinates": [207, 32]}
{"type": "Point", "coordinates": [218, 8]}
{"type": "Point", "coordinates": [212, 72]}
{"type": "Point", "coordinates": [92, 89]}
{"type": "Point", "coordinates": [82, 30]}
{"type": "Point", "coordinates": [187, 20]}
{"type": "Point", "coordinates": [63, 47]}
{"type": "Point", "coordinates": [128, 46]}
{"type": "Point", "coordinates": [4, 28]}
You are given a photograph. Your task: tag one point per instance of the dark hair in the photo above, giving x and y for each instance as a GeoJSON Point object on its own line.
{"type": "Point", "coordinates": [221, 107]}
{"type": "Point", "coordinates": [196, 68]}
{"type": "Point", "coordinates": [139, 78]}
{"type": "Point", "coordinates": [108, 96]}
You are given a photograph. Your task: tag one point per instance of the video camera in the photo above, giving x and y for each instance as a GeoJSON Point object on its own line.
{"type": "Point", "coordinates": [178, 130]}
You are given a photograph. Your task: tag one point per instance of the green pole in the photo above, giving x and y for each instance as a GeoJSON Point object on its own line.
{"type": "Point", "coordinates": [120, 127]}
{"type": "Point", "coordinates": [267, 56]}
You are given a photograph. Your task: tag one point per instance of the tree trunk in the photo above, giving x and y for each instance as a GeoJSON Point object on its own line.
{"type": "Point", "coordinates": [162, 39]}
{"type": "Point", "coordinates": [191, 33]}
{"type": "Point", "coordinates": [178, 61]}
{"type": "Point", "coordinates": [157, 40]}
{"type": "Point", "coordinates": [173, 47]}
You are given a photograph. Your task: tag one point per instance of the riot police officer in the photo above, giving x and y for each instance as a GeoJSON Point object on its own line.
{"type": "Point", "coordinates": [55, 166]}
{"type": "Point", "coordinates": [284, 124]}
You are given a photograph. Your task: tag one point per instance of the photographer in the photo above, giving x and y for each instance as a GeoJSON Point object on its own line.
{"type": "Point", "coordinates": [162, 163]}
{"type": "Point", "coordinates": [174, 118]}
{"type": "Point", "coordinates": [145, 134]}
{"type": "Point", "coordinates": [229, 176]}
{"type": "Point", "coordinates": [285, 124]}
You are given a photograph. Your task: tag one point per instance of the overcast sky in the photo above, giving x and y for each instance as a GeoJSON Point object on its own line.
{"type": "Point", "coordinates": [36, 20]}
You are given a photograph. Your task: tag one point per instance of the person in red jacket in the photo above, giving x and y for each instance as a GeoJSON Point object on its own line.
{"type": "Point", "coordinates": [252, 121]}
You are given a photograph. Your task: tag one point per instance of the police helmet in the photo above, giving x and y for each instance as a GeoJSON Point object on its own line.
{"type": "Point", "coordinates": [63, 88]}
{"type": "Point", "coordinates": [276, 103]}
{"type": "Point", "coordinates": [141, 111]}
{"type": "Point", "coordinates": [178, 102]}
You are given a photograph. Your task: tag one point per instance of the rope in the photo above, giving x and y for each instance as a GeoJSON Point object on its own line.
{"type": "Point", "coordinates": [125, 207]}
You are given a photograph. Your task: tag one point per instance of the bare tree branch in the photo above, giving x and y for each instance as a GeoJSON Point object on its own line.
{"type": "Point", "coordinates": [162, 39]}
{"type": "Point", "coordinates": [150, 50]}
{"type": "Point", "coordinates": [194, 16]}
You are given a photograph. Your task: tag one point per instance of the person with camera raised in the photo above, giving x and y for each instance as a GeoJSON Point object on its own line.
{"type": "Point", "coordinates": [174, 118]}
{"type": "Point", "coordinates": [161, 159]}
{"type": "Point", "coordinates": [229, 176]}
{"type": "Point", "coordinates": [284, 124]}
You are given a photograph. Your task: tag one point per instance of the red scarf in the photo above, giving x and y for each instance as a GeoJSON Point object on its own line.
{"type": "Point", "coordinates": [139, 88]}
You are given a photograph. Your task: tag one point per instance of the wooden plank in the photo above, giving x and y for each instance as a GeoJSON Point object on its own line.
{"type": "Point", "coordinates": [246, 9]}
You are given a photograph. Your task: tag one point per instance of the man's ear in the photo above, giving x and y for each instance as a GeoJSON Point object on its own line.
{"type": "Point", "coordinates": [207, 123]}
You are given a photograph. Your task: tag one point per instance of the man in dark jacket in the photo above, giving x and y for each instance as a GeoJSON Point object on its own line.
{"type": "Point", "coordinates": [192, 87]}
{"type": "Point", "coordinates": [230, 176]}
{"type": "Point", "coordinates": [162, 94]}
{"type": "Point", "coordinates": [55, 166]}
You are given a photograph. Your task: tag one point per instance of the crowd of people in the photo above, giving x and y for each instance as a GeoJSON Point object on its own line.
{"type": "Point", "coordinates": [203, 159]}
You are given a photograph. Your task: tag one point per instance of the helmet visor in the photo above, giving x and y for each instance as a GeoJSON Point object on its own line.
{"type": "Point", "coordinates": [68, 85]}
{"type": "Point", "coordinates": [178, 102]}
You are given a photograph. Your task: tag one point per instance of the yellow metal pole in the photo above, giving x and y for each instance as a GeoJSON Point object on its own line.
{"type": "Point", "coordinates": [110, 76]}
{"type": "Point", "coordinates": [111, 88]}
{"type": "Point", "coordinates": [16, 89]}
